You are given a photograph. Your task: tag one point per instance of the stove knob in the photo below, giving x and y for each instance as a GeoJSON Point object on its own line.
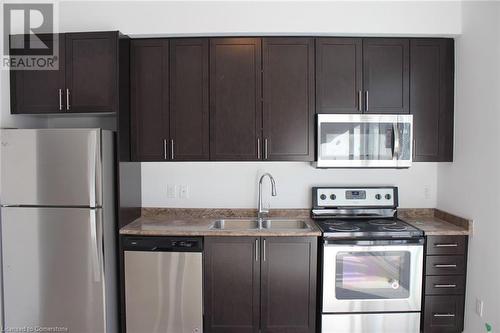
{"type": "Point", "coordinates": [388, 196]}
{"type": "Point", "coordinates": [322, 197]}
{"type": "Point", "coordinates": [378, 196]}
{"type": "Point", "coordinates": [333, 196]}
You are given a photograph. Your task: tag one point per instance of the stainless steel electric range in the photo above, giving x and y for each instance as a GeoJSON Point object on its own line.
{"type": "Point", "coordinates": [372, 262]}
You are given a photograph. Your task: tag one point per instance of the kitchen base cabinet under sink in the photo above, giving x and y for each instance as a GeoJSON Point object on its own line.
{"type": "Point", "coordinates": [260, 284]}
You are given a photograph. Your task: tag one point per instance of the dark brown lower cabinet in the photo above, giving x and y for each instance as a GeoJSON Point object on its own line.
{"type": "Point", "coordinates": [445, 273]}
{"type": "Point", "coordinates": [265, 284]}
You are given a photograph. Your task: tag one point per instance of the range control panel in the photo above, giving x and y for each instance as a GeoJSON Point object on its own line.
{"type": "Point", "coordinates": [355, 197]}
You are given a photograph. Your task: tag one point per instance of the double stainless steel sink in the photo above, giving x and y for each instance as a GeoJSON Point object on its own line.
{"type": "Point", "coordinates": [256, 224]}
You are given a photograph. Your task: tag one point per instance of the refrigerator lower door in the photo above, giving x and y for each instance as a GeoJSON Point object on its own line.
{"type": "Point", "coordinates": [53, 269]}
{"type": "Point", "coordinates": [51, 167]}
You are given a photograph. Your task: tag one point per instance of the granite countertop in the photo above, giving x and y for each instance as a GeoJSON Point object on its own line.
{"type": "Point", "coordinates": [435, 222]}
{"type": "Point", "coordinates": [197, 222]}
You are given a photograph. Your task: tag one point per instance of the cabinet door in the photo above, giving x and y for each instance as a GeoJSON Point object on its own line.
{"type": "Point", "coordinates": [39, 91]}
{"type": "Point", "coordinates": [288, 284]}
{"type": "Point", "coordinates": [288, 92]}
{"type": "Point", "coordinates": [189, 124]}
{"type": "Point", "coordinates": [339, 75]}
{"type": "Point", "coordinates": [431, 89]}
{"type": "Point", "coordinates": [235, 98]}
{"type": "Point", "coordinates": [91, 71]}
{"type": "Point", "coordinates": [149, 99]}
{"type": "Point", "coordinates": [231, 284]}
{"type": "Point", "coordinates": [386, 76]}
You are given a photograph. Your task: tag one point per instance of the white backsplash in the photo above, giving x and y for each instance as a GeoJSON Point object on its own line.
{"type": "Point", "coordinates": [234, 184]}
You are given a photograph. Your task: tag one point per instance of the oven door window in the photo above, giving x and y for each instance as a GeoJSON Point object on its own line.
{"type": "Point", "coordinates": [372, 275]}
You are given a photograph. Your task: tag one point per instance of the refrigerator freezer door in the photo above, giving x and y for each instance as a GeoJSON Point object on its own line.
{"type": "Point", "coordinates": [51, 167]}
{"type": "Point", "coordinates": [53, 269]}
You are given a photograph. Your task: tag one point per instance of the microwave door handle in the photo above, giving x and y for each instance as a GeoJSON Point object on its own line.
{"type": "Point", "coordinates": [397, 144]}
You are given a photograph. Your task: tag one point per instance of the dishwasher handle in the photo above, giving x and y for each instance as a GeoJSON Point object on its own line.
{"type": "Point", "coordinates": [163, 244]}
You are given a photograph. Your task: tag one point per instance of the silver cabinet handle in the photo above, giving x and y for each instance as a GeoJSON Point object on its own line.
{"type": "Point", "coordinates": [165, 149]}
{"type": "Point", "coordinates": [446, 245]}
{"type": "Point", "coordinates": [444, 315]}
{"type": "Point", "coordinates": [445, 266]}
{"type": "Point", "coordinates": [60, 100]}
{"type": "Point", "coordinates": [256, 249]}
{"type": "Point", "coordinates": [445, 286]}
{"type": "Point", "coordinates": [264, 250]}
{"type": "Point", "coordinates": [414, 147]}
{"type": "Point", "coordinates": [172, 148]}
{"type": "Point", "coordinates": [258, 149]}
{"type": "Point", "coordinates": [265, 148]}
{"type": "Point", "coordinates": [366, 101]}
{"type": "Point", "coordinates": [68, 105]}
{"type": "Point", "coordinates": [360, 101]}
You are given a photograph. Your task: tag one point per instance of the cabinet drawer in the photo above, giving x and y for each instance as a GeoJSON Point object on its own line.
{"type": "Point", "coordinates": [443, 314]}
{"type": "Point", "coordinates": [445, 265]}
{"type": "Point", "coordinates": [439, 245]}
{"type": "Point", "coordinates": [445, 285]}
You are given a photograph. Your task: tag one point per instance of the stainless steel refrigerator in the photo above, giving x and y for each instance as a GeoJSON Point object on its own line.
{"type": "Point", "coordinates": [58, 229]}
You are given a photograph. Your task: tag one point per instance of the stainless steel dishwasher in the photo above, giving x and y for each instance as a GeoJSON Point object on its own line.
{"type": "Point", "coordinates": [163, 284]}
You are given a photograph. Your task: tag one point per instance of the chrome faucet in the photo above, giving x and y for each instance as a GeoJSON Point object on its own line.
{"type": "Point", "coordinates": [262, 212]}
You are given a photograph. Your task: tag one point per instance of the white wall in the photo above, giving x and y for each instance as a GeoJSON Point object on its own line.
{"type": "Point", "coordinates": [470, 186]}
{"type": "Point", "coordinates": [234, 185]}
{"type": "Point", "coordinates": [146, 18]}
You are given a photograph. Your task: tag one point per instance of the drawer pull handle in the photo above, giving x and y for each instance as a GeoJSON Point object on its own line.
{"type": "Point", "coordinates": [445, 286]}
{"type": "Point", "coordinates": [446, 245]}
{"type": "Point", "coordinates": [445, 266]}
{"type": "Point", "coordinates": [444, 315]}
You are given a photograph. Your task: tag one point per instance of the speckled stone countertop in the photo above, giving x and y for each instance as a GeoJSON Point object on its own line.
{"type": "Point", "coordinates": [435, 222]}
{"type": "Point", "coordinates": [197, 222]}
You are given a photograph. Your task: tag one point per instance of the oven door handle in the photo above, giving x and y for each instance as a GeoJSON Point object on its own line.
{"type": "Point", "coordinates": [417, 241]}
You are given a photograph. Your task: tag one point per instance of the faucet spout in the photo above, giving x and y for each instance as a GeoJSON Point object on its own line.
{"type": "Point", "coordinates": [262, 212]}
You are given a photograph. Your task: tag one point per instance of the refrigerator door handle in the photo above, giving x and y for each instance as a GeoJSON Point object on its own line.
{"type": "Point", "coordinates": [95, 254]}
{"type": "Point", "coordinates": [94, 178]}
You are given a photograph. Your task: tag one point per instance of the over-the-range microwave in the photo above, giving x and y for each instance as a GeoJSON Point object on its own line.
{"type": "Point", "coordinates": [364, 141]}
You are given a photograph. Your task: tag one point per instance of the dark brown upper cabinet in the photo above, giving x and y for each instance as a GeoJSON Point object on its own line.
{"type": "Point", "coordinates": [87, 80]}
{"type": "Point", "coordinates": [260, 284]}
{"type": "Point", "coordinates": [91, 72]}
{"type": "Point", "coordinates": [189, 109]}
{"type": "Point", "coordinates": [169, 95]}
{"type": "Point", "coordinates": [235, 99]}
{"type": "Point", "coordinates": [431, 103]}
{"type": "Point", "coordinates": [288, 99]}
{"type": "Point", "coordinates": [339, 75]}
{"type": "Point", "coordinates": [39, 91]}
{"type": "Point", "coordinates": [231, 284]}
{"type": "Point", "coordinates": [386, 75]}
{"type": "Point", "coordinates": [149, 99]}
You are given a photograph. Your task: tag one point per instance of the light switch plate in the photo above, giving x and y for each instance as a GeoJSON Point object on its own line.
{"type": "Point", "coordinates": [184, 191]}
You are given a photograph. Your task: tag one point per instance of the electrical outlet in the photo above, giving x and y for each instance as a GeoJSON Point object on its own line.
{"type": "Point", "coordinates": [184, 191]}
{"type": "Point", "coordinates": [479, 307]}
{"type": "Point", "coordinates": [171, 192]}
{"type": "Point", "coordinates": [427, 192]}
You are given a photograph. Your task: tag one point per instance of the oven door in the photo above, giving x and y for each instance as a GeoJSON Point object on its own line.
{"type": "Point", "coordinates": [380, 141]}
{"type": "Point", "coordinates": [372, 276]}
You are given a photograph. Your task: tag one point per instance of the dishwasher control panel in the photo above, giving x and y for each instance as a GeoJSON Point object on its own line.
{"type": "Point", "coordinates": [163, 244]}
